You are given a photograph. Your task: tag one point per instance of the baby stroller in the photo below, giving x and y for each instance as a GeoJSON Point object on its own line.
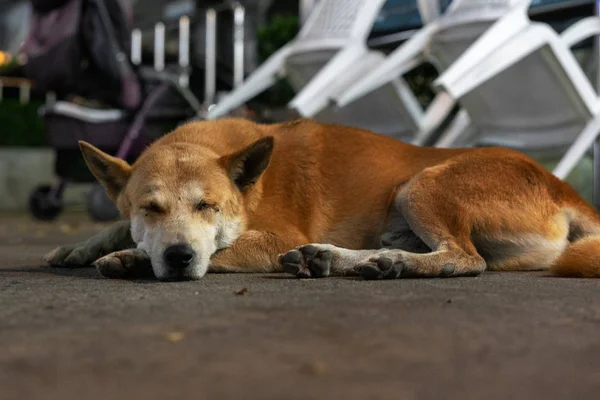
{"type": "Point", "coordinates": [77, 53]}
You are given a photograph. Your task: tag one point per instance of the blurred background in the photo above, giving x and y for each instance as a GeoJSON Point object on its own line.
{"type": "Point", "coordinates": [227, 42]}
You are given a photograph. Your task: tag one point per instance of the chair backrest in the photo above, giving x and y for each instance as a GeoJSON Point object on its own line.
{"type": "Point", "coordinates": [332, 24]}
{"type": "Point", "coordinates": [340, 19]}
{"type": "Point", "coordinates": [463, 23]}
{"type": "Point", "coordinates": [532, 97]}
{"type": "Point", "coordinates": [532, 105]}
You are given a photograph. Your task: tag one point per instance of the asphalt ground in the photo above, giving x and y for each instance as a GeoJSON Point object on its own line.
{"type": "Point", "coordinates": [71, 334]}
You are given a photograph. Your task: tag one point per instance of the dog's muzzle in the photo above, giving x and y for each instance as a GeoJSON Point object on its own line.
{"type": "Point", "coordinates": [179, 256]}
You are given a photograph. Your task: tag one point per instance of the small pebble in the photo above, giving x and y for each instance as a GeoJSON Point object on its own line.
{"type": "Point", "coordinates": [314, 368]}
{"type": "Point", "coordinates": [174, 336]}
{"type": "Point", "coordinates": [66, 229]}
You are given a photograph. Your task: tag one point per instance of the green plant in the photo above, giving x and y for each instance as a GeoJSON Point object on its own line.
{"type": "Point", "coordinates": [6, 69]}
{"type": "Point", "coordinates": [271, 37]}
{"type": "Point", "coordinates": [420, 80]}
{"type": "Point", "coordinates": [20, 124]}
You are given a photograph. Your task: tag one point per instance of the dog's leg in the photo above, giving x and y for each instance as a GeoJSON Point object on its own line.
{"type": "Point", "coordinates": [129, 264]}
{"type": "Point", "coordinates": [442, 226]}
{"type": "Point", "coordinates": [113, 238]}
{"type": "Point", "coordinates": [255, 251]}
{"type": "Point", "coordinates": [320, 260]}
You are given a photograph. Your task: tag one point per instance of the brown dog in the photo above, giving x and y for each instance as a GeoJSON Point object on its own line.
{"type": "Point", "coordinates": [231, 195]}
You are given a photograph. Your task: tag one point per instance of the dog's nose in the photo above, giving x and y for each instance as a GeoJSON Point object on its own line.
{"type": "Point", "coordinates": [179, 255]}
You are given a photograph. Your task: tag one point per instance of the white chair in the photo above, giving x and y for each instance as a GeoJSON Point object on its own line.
{"type": "Point", "coordinates": [527, 91]}
{"type": "Point", "coordinates": [441, 42]}
{"type": "Point", "coordinates": [328, 54]}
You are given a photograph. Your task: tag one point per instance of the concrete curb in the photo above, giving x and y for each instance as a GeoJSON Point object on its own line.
{"type": "Point", "coordinates": [22, 170]}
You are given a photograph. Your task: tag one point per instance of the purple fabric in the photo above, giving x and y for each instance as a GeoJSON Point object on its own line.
{"type": "Point", "coordinates": [49, 29]}
{"type": "Point", "coordinates": [72, 50]}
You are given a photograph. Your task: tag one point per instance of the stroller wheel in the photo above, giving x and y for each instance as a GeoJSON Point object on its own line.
{"type": "Point", "coordinates": [43, 203]}
{"type": "Point", "coordinates": [100, 206]}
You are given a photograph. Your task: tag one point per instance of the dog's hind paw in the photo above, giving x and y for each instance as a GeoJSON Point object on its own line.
{"type": "Point", "coordinates": [131, 263]}
{"type": "Point", "coordinates": [310, 261]}
{"type": "Point", "coordinates": [380, 268]}
{"type": "Point", "coordinates": [71, 256]}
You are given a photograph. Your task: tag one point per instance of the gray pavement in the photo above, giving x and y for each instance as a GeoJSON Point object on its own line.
{"type": "Point", "coordinates": [70, 334]}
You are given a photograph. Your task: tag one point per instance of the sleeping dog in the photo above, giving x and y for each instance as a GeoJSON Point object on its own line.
{"type": "Point", "coordinates": [317, 200]}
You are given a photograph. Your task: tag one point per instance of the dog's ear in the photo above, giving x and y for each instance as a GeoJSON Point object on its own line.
{"type": "Point", "coordinates": [246, 167]}
{"type": "Point", "coordinates": [111, 172]}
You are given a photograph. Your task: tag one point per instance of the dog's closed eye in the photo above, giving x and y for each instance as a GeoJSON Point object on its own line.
{"type": "Point", "coordinates": [203, 205]}
{"type": "Point", "coordinates": [153, 208]}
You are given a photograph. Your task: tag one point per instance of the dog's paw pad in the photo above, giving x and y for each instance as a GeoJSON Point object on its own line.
{"type": "Point", "coordinates": [133, 263]}
{"type": "Point", "coordinates": [369, 271]}
{"type": "Point", "coordinates": [308, 261]}
{"type": "Point", "coordinates": [380, 268]}
{"type": "Point", "coordinates": [111, 266]}
{"type": "Point", "coordinates": [447, 270]}
{"type": "Point", "coordinates": [293, 263]}
{"type": "Point", "coordinates": [318, 261]}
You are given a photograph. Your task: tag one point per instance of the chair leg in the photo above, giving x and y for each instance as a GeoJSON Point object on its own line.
{"type": "Point", "coordinates": [583, 142]}
{"type": "Point", "coordinates": [596, 174]}
{"type": "Point", "coordinates": [458, 126]}
{"type": "Point", "coordinates": [435, 114]}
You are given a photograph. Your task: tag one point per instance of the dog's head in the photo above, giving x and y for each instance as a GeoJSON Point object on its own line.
{"type": "Point", "coordinates": [185, 201]}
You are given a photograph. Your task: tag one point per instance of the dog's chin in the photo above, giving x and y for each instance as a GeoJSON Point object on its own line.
{"type": "Point", "coordinates": [186, 274]}
{"type": "Point", "coordinates": [177, 278]}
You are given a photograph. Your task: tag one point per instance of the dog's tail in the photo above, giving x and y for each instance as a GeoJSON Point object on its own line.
{"type": "Point", "coordinates": [581, 258]}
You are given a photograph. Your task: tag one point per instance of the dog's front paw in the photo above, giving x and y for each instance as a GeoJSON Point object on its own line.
{"type": "Point", "coordinates": [310, 261]}
{"type": "Point", "coordinates": [80, 254]}
{"type": "Point", "coordinates": [131, 263]}
{"type": "Point", "coordinates": [112, 238]}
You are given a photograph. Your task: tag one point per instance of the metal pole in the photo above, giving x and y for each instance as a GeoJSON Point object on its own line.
{"type": "Point", "coordinates": [159, 46]}
{"type": "Point", "coordinates": [184, 42]}
{"type": "Point", "coordinates": [596, 174]}
{"type": "Point", "coordinates": [238, 44]}
{"type": "Point", "coordinates": [24, 92]}
{"type": "Point", "coordinates": [596, 147]}
{"type": "Point", "coordinates": [136, 47]}
{"type": "Point", "coordinates": [50, 99]}
{"type": "Point", "coordinates": [210, 66]}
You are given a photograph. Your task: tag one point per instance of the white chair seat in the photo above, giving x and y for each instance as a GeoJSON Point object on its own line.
{"type": "Point", "coordinates": [86, 114]}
